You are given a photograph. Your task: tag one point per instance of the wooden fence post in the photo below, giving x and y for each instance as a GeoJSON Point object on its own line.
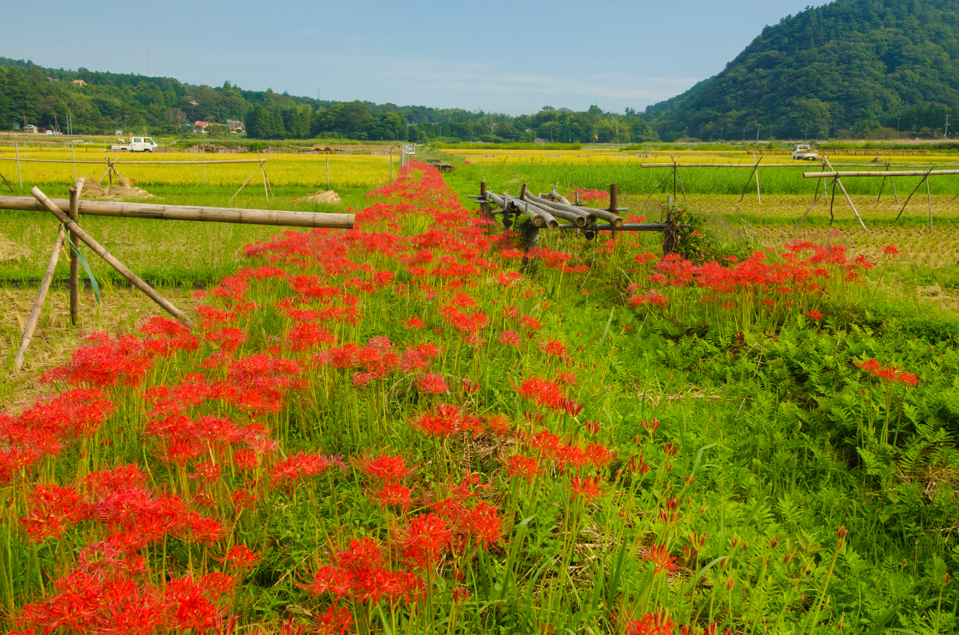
{"type": "Point", "coordinates": [41, 297]}
{"type": "Point", "coordinates": [75, 257]}
{"type": "Point", "coordinates": [113, 262]}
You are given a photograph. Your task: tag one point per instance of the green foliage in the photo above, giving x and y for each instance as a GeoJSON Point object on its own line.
{"type": "Point", "coordinates": [850, 66]}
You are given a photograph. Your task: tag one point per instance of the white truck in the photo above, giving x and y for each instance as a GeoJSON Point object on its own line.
{"type": "Point", "coordinates": [137, 144]}
{"type": "Point", "coordinates": [804, 153]}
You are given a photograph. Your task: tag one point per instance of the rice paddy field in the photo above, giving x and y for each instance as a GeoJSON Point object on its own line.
{"type": "Point", "coordinates": [423, 425]}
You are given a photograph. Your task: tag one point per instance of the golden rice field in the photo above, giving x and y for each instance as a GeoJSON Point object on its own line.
{"type": "Point", "coordinates": [614, 156]}
{"type": "Point", "coordinates": [166, 168]}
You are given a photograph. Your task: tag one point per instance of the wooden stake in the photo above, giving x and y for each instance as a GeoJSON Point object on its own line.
{"type": "Point", "coordinates": [266, 192]}
{"type": "Point", "coordinates": [814, 201]}
{"type": "Point", "coordinates": [916, 189]}
{"type": "Point", "coordinates": [9, 187]}
{"type": "Point", "coordinates": [19, 173]}
{"type": "Point", "coordinates": [759, 195]}
{"type": "Point", "coordinates": [246, 181]}
{"type": "Point", "coordinates": [113, 262]}
{"type": "Point", "coordinates": [74, 257]}
{"type": "Point", "coordinates": [41, 297]}
{"type": "Point", "coordinates": [848, 198]}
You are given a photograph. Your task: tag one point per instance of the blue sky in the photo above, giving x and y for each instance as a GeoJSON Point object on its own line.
{"type": "Point", "coordinates": [497, 56]}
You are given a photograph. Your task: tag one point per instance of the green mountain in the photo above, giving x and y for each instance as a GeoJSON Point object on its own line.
{"type": "Point", "coordinates": [865, 67]}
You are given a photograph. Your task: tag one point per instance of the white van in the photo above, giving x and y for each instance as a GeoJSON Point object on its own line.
{"type": "Point", "coordinates": [137, 144]}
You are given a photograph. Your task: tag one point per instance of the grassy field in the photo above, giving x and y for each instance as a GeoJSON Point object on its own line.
{"type": "Point", "coordinates": [403, 428]}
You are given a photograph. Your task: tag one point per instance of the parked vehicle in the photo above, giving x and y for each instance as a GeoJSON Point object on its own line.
{"type": "Point", "coordinates": [137, 144]}
{"type": "Point", "coordinates": [805, 153]}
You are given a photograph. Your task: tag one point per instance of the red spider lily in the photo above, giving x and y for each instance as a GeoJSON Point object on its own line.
{"type": "Point", "coordinates": [552, 259]}
{"type": "Point", "coordinates": [519, 465]}
{"type": "Point", "coordinates": [242, 558]}
{"type": "Point", "coordinates": [510, 338]}
{"type": "Point", "coordinates": [334, 580]}
{"type": "Point", "coordinates": [290, 471]}
{"type": "Point", "coordinates": [813, 314]}
{"type": "Point", "coordinates": [392, 494]}
{"type": "Point", "coordinates": [445, 420]}
{"type": "Point", "coordinates": [470, 387]}
{"type": "Point", "coordinates": [542, 391]}
{"type": "Point", "coordinates": [335, 620]}
{"type": "Point", "coordinates": [530, 323]}
{"type": "Point", "coordinates": [660, 557]}
{"type": "Point", "coordinates": [389, 469]}
{"type": "Point", "coordinates": [423, 542]}
{"type": "Point", "coordinates": [650, 624]}
{"type": "Point", "coordinates": [482, 523]}
{"type": "Point", "coordinates": [414, 323]}
{"type": "Point", "coordinates": [669, 512]}
{"type": "Point", "coordinates": [52, 510]}
{"type": "Point", "coordinates": [588, 487]}
{"type": "Point", "coordinates": [432, 383]}
{"type": "Point", "coordinates": [304, 336]}
{"type": "Point", "coordinates": [499, 425]}
{"type": "Point", "coordinates": [889, 249]}
{"type": "Point", "coordinates": [553, 348]}
{"type": "Point", "coordinates": [889, 374]}
{"type": "Point", "coordinates": [105, 363]}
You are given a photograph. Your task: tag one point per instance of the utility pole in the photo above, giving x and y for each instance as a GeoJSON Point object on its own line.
{"type": "Point", "coordinates": [947, 126]}
{"type": "Point", "coordinates": [758, 127]}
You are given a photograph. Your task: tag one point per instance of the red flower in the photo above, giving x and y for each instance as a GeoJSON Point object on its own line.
{"type": "Point", "coordinates": [389, 469]}
{"type": "Point", "coordinates": [519, 465]}
{"type": "Point", "coordinates": [659, 556]}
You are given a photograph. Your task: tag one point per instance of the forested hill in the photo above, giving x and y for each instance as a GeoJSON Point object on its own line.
{"type": "Point", "coordinates": [855, 66]}
{"type": "Point", "coordinates": [90, 102]}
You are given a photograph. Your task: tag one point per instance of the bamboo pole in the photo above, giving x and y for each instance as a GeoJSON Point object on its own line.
{"type": "Point", "coordinates": [916, 189]}
{"type": "Point", "coordinates": [19, 173]}
{"type": "Point", "coordinates": [113, 262]}
{"type": "Point", "coordinates": [266, 192]}
{"type": "Point", "coordinates": [75, 192]}
{"type": "Point", "coordinates": [41, 297]}
{"type": "Point", "coordinates": [848, 198]}
{"type": "Point", "coordinates": [759, 195]}
{"type": "Point", "coordinates": [73, 153]}
{"type": "Point", "coordinates": [929, 200]}
{"type": "Point", "coordinates": [327, 171]}
{"type": "Point", "coordinates": [187, 212]}
{"type": "Point", "coordinates": [814, 201]}
{"type": "Point", "coordinates": [117, 160]}
{"type": "Point", "coordinates": [9, 187]}
{"type": "Point", "coordinates": [890, 173]}
{"type": "Point", "coordinates": [245, 182]}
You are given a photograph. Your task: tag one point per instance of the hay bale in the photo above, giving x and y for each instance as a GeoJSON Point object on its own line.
{"type": "Point", "coordinates": [119, 190]}
{"type": "Point", "coordinates": [323, 197]}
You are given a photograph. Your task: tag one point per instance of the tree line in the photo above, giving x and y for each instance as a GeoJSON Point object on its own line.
{"type": "Point", "coordinates": [88, 102]}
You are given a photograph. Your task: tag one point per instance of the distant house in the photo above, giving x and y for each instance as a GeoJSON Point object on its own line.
{"type": "Point", "coordinates": [201, 126]}
{"type": "Point", "coordinates": [79, 82]}
{"type": "Point", "coordinates": [30, 128]}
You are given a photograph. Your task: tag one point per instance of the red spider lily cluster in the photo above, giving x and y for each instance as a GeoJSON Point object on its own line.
{"type": "Point", "coordinates": [889, 373]}
{"type": "Point", "coordinates": [226, 428]}
{"type": "Point", "coordinates": [589, 195]}
{"type": "Point", "coordinates": [798, 272]}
